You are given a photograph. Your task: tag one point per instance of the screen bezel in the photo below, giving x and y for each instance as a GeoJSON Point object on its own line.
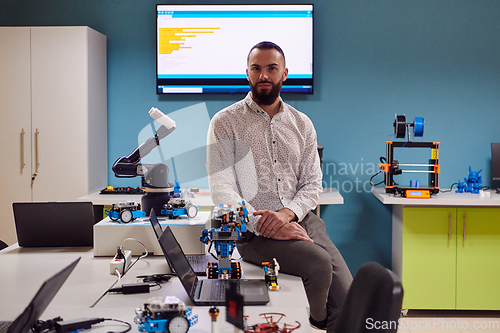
{"type": "Point", "coordinates": [241, 82]}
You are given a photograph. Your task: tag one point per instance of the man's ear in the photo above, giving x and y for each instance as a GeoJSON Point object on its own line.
{"type": "Point", "coordinates": [285, 74]}
{"type": "Point", "coordinates": [248, 79]}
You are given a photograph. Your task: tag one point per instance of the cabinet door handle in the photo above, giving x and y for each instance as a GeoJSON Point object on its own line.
{"type": "Point", "coordinates": [36, 151]}
{"type": "Point", "coordinates": [22, 150]}
{"type": "Point", "coordinates": [449, 226]}
{"type": "Point", "coordinates": [465, 223]}
{"type": "Point", "coordinates": [33, 176]}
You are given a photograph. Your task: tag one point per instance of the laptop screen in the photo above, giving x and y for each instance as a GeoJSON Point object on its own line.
{"type": "Point", "coordinates": [154, 222]}
{"type": "Point", "coordinates": [173, 253]}
{"type": "Point", "coordinates": [42, 299]}
{"type": "Point", "coordinates": [40, 224]}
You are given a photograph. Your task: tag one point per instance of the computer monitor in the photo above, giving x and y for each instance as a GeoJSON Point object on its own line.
{"type": "Point", "coordinates": [495, 161]}
{"type": "Point", "coordinates": [203, 48]}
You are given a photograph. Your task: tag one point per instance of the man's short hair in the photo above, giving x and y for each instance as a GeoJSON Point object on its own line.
{"type": "Point", "coordinates": [267, 46]}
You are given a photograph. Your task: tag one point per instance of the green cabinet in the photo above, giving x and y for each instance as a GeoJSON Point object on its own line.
{"type": "Point", "coordinates": [451, 258]}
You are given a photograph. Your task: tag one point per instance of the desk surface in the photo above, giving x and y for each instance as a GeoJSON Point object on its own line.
{"type": "Point", "coordinates": [440, 199]}
{"type": "Point", "coordinates": [29, 267]}
{"type": "Point", "coordinates": [330, 196]}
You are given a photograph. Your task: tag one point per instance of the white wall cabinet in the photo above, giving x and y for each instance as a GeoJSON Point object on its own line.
{"type": "Point", "coordinates": [53, 116]}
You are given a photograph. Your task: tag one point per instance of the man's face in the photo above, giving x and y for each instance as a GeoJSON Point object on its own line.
{"type": "Point", "coordinates": [265, 73]}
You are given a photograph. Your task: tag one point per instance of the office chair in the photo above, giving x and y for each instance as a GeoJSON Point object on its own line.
{"type": "Point", "coordinates": [373, 302]}
{"type": "Point", "coordinates": [3, 245]}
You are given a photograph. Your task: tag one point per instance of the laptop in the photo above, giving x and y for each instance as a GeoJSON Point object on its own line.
{"type": "Point", "coordinates": [26, 320]}
{"type": "Point", "coordinates": [199, 262]}
{"type": "Point", "coordinates": [209, 291]}
{"type": "Point", "coordinates": [56, 224]}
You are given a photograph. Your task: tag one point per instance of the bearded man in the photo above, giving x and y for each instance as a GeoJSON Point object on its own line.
{"type": "Point", "coordinates": [264, 152]}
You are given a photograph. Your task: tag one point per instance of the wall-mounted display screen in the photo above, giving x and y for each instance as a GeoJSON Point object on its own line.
{"type": "Point", "coordinates": [204, 48]}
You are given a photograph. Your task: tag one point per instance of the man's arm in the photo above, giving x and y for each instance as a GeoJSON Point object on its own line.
{"type": "Point", "coordinates": [309, 174]}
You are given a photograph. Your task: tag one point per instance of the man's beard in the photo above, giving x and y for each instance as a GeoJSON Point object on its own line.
{"type": "Point", "coordinates": [266, 96]}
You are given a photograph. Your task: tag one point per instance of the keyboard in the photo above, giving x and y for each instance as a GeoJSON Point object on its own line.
{"type": "Point", "coordinates": [219, 288]}
{"type": "Point", "coordinates": [4, 326]}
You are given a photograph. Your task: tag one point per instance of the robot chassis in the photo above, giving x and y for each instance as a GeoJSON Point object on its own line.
{"type": "Point", "coordinates": [232, 226]}
{"type": "Point", "coordinates": [271, 274]}
{"type": "Point", "coordinates": [165, 315]}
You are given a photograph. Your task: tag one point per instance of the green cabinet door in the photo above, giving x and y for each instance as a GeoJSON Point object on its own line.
{"type": "Point", "coordinates": [478, 258]}
{"type": "Point", "coordinates": [429, 257]}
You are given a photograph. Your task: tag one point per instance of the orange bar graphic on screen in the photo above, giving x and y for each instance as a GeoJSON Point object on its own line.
{"type": "Point", "coordinates": [173, 39]}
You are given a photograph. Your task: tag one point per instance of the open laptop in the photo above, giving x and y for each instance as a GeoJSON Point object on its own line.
{"type": "Point", "coordinates": [57, 224]}
{"type": "Point", "coordinates": [26, 320]}
{"type": "Point", "coordinates": [208, 291]}
{"type": "Point", "coordinates": [199, 262]}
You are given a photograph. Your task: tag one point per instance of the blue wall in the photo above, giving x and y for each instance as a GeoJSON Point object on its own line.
{"type": "Point", "coordinates": [437, 59]}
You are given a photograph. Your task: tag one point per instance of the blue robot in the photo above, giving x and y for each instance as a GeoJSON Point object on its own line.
{"type": "Point", "coordinates": [232, 226]}
{"type": "Point", "coordinates": [165, 315]}
{"type": "Point", "coordinates": [471, 184]}
{"type": "Point", "coordinates": [125, 211]}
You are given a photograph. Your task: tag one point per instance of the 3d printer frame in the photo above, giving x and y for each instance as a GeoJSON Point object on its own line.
{"type": "Point", "coordinates": [392, 167]}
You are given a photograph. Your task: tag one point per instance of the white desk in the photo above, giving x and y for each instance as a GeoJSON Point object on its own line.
{"type": "Point", "coordinates": [440, 199]}
{"type": "Point", "coordinates": [330, 196]}
{"type": "Point", "coordinates": [24, 270]}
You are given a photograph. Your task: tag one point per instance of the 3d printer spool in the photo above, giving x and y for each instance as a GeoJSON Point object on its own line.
{"type": "Point", "coordinates": [400, 127]}
{"type": "Point", "coordinates": [418, 126]}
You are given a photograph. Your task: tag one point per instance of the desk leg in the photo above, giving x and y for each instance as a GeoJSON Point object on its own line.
{"type": "Point", "coordinates": [318, 210]}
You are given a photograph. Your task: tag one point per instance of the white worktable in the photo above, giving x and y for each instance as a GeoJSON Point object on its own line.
{"type": "Point", "coordinates": [24, 270]}
{"type": "Point", "coordinates": [440, 199]}
{"type": "Point", "coordinates": [330, 196]}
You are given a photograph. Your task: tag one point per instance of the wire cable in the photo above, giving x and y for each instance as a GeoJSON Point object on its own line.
{"type": "Point", "coordinates": [119, 321]}
{"type": "Point", "coordinates": [110, 287]}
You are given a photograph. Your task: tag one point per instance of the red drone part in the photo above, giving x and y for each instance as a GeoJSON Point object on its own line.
{"type": "Point", "coordinates": [271, 325]}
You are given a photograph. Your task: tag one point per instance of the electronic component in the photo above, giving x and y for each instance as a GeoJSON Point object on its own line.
{"type": "Point", "coordinates": [120, 262]}
{"type": "Point", "coordinates": [392, 167]}
{"type": "Point", "coordinates": [132, 288]}
{"type": "Point", "coordinates": [125, 211]}
{"type": "Point", "coordinates": [165, 315]}
{"type": "Point", "coordinates": [176, 207]}
{"type": "Point", "coordinates": [271, 274]}
{"type": "Point", "coordinates": [232, 225]}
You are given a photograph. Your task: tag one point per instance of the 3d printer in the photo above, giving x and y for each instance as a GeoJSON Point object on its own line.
{"type": "Point", "coordinates": [392, 167]}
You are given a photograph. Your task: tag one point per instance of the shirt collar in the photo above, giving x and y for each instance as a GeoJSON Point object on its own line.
{"type": "Point", "coordinates": [256, 108]}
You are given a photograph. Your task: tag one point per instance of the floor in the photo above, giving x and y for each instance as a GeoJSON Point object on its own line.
{"type": "Point", "coordinates": [447, 322]}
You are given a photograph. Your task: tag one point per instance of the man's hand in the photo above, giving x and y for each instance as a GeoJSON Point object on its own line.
{"type": "Point", "coordinates": [271, 221]}
{"type": "Point", "coordinates": [292, 230]}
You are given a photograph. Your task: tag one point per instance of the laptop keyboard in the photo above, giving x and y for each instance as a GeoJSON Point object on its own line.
{"type": "Point", "coordinates": [4, 326]}
{"type": "Point", "coordinates": [219, 287]}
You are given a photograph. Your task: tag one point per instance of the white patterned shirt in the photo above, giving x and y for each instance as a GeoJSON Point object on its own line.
{"type": "Point", "coordinates": [269, 163]}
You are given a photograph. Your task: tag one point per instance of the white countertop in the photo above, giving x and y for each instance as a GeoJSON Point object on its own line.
{"type": "Point", "coordinates": [440, 199]}
{"type": "Point", "coordinates": [330, 196]}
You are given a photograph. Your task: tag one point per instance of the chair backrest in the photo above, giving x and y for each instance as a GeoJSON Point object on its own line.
{"type": "Point", "coordinates": [373, 302]}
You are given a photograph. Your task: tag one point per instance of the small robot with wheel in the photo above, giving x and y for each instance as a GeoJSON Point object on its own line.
{"type": "Point", "coordinates": [125, 211]}
{"type": "Point", "coordinates": [176, 207]}
{"type": "Point", "coordinates": [271, 270]}
{"type": "Point", "coordinates": [165, 315]}
{"type": "Point", "coordinates": [233, 225]}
